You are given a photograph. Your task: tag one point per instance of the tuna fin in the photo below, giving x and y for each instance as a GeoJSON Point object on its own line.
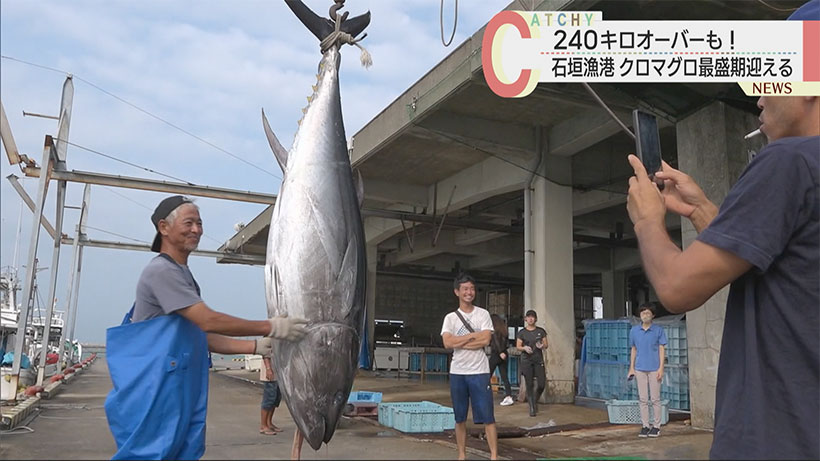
{"type": "Point", "coordinates": [278, 151]}
{"type": "Point", "coordinates": [322, 27]}
{"type": "Point", "coordinates": [358, 182]}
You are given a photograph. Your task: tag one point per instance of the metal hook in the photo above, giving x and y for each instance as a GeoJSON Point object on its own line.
{"type": "Point", "coordinates": [338, 5]}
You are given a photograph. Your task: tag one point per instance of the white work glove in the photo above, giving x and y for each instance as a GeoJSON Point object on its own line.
{"type": "Point", "coordinates": [263, 347]}
{"type": "Point", "coordinates": [286, 328]}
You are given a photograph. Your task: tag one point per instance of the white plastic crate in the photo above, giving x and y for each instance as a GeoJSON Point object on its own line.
{"type": "Point", "coordinates": [628, 411]}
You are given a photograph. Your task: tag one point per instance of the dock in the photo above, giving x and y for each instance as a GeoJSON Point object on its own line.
{"type": "Point", "coordinates": [72, 425]}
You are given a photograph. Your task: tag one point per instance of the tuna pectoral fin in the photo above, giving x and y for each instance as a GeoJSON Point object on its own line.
{"type": "Point", "coordinates": [278, 151]}
{"type": "Point", "coordinates": [359, 183]}
{"type": "Point", "coordinates": [321, 27]}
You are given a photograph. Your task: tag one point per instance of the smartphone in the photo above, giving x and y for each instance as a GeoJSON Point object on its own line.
{"type": "Point", "coordinates": [648, 143]}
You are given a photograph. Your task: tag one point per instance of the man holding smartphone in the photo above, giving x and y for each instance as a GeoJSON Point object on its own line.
{"type": "Point", "coordinates": [764, 241]}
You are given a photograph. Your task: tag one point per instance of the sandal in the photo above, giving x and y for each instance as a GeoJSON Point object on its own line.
{"type": "Point", "coordinates": [267, 431]}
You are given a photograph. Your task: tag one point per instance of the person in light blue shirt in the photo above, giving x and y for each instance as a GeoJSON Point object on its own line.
{"type": "Point", "coordinates": [648, 342]}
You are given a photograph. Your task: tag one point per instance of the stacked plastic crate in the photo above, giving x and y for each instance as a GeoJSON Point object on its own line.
{"type": "Point", "coordinates": [607, 362]}
{"type": "Point", "coordinates": [416, 416]}
{"type": "Point", "coordinates": [675, 386]}
{"type": "Point", "coordinates": [435, 362]}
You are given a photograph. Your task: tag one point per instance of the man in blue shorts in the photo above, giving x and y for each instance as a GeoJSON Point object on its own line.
{"type": "Point", "coordinates": [764, 241]}
{"type": "Point", "coordinates": [271, 398]}
{"type": "Point", "coordinates": [467, 331]}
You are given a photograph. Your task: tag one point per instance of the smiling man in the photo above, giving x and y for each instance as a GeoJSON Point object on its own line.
{"type": "Point", "coordinates": [158, 358]}
{"type": "Point", "coordinates": [764, 241]}
{"type": "Point", "coordinates": [468, 330]}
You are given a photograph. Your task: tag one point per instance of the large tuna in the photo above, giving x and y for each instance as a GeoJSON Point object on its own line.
{"type": "Point", "coordinates": [316, 259]}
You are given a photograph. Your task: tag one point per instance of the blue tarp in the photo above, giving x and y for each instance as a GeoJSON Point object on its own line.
{"type": "Point", "coordinates": [8, 358]}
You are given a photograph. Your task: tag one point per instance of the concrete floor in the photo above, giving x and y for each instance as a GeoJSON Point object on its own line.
{"type": "Point", "coordinates": [72, 425]}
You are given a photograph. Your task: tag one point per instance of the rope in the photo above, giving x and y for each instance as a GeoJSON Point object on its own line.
{"type": "Point", "coordinates": [337, 37]}
{"type": "Point", "coordinates": [16, 431]}
{"type": "Point", "coordinates": [441, 23]}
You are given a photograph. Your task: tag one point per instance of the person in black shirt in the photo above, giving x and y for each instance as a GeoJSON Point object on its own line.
{"type": "Point", "coordinates": [498, 355]}
{"type": "Point", "coordinates": [532, 341]}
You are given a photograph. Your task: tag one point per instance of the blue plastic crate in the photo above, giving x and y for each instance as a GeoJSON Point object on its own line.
{"type": "Point", "coordinates": [512, 371]}
{"type": "Point", "coordinates": [443, 362]}
{"type": "Point", "coordinates": [424, 419]}
{"type": "Point", "coordinates": [607, 380]}
{"type": "Point", "coordinates": [628, 412]}
{"type": "Point", "coordinates": [415, 361]}
{"type": "Point", "coordinates": [364, 396]}
{"type": "Point", "coordinates": [387, 410]}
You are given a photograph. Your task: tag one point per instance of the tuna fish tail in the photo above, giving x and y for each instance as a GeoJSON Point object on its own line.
{"type": "Point", "coordinates": [323, 27]}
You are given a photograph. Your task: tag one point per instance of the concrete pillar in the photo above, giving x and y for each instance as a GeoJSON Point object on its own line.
{"type": "Point", "coordinates": [613, 287]}
{"type": "Point", "coordinates": [552, 290]}
{"type": "Point", "coordinates": [711, 149]}
{"type": "Point", "coordinates": [372, 263]}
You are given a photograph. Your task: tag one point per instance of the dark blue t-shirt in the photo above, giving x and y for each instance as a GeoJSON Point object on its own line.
{"type": "Point", "coordinates": [768, 391]}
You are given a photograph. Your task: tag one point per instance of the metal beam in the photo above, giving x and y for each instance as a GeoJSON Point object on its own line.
{"type": "Point", "coordinates": [65, 119]}
{"type": "Point", "coordinates": [452, 222]}
{"type": "Point", "coordinates": [52, 285]}
{"type": "Point", "coordinates": [61, 149]}
{"type": "Point", "coordinates": [7, 138]}
{"type": "Point", "coordinates": [28, 290]}
{"type": "Point", "coordinates": [30, 203]}
{"type": "Point", "coordinates": [74, 275]}
{"type": "Point", "coordinates": [243, 258]}
{"type": "Point", "coordinates": [494, 136]}
{"type": "Point", "coordinates": [162, 186]}
{"type": "Point", "coordinates": [577, 133]}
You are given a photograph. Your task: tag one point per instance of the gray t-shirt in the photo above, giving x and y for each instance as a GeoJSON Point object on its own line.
{"type": "Point", "coordinates": [164, 287]}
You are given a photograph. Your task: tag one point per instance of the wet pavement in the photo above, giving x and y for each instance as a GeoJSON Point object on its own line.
{"type": "Point", "coordinates": [72, 425]}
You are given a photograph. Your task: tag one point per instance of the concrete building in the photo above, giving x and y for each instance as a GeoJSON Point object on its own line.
{"type": "Point", "coordinates": [529, 194]}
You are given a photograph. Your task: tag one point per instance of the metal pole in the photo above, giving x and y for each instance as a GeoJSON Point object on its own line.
{"type": "Point", "coordinates": [66, 103]}
{"type": "Point", "coordinates": [42, 189]}
{"type": "Point", "coordinates": [76, 289]}
{"type": "Point", "coordinates": [75, 295]}
{"type": "Point", "coordinates": [71, 308]}
{"type": "Point", "coordinates": [52, 288]}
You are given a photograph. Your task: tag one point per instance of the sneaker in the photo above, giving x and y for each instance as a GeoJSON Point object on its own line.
{"type": "Point", "coordinates": [507, 401]}
{"type": "Point", "coordinates": [654, 432]}
{"type": "Point", "coordinates": [644, 432]}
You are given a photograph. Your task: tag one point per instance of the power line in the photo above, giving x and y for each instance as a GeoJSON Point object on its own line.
{"type": "Point", "coordinates": [149, 209]}
{"type": "Point", "coordinates": [127, 198]}
{"type": "Point", "coordinates": [156, 117]}
{"type": "Point", "coordinates": [124, 161]}
{"type": "Point", "coordinates": [117, 235]}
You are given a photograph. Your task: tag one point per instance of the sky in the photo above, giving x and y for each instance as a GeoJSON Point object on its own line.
{"type": "Point", "coordinates": [146, 72]}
